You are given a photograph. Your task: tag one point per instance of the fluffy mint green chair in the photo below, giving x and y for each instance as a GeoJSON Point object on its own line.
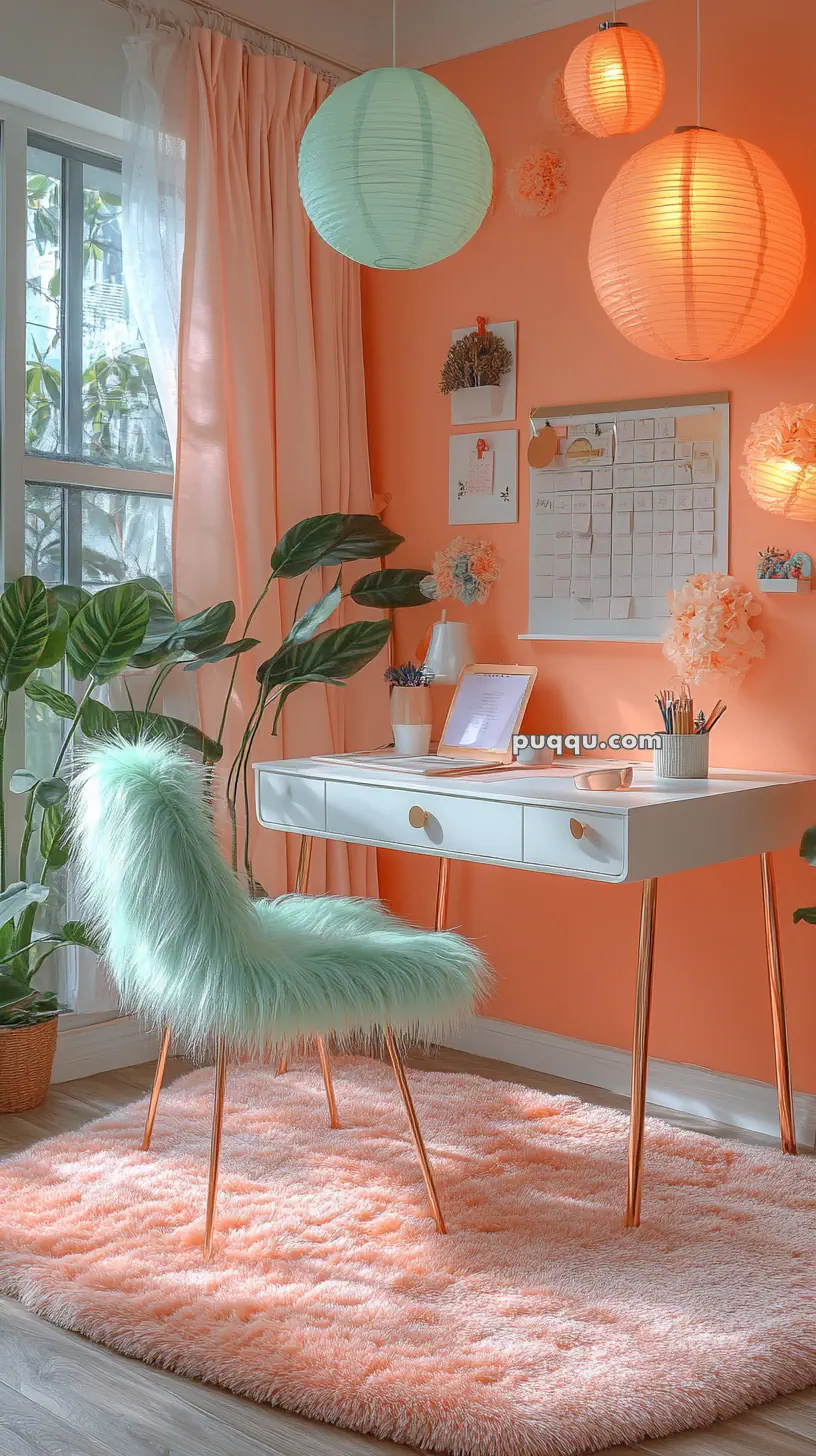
{"type": "Point", "coordinates": [191, 953]}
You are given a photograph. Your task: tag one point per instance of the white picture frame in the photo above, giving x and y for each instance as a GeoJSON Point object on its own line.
{"type": "Point", "coordinates": [494, 404]}
{"type": "Point", "coordinates": [499, 506]}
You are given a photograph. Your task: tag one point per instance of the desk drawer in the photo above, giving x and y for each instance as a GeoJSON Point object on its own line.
{"type": "Point", "coordinates": [456, 826]}
{"type": "Point", "coordinates": [549, 841]}
{"type": "Point", "coordinates": [286, 801]}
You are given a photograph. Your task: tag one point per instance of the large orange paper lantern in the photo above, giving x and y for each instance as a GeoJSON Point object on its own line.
{"type": "Point", "coordinates": [698, 246]}
{"type": "Point", "coordinates": [780, 461]}
{"type": "Point", "coordinates": [614, 81]}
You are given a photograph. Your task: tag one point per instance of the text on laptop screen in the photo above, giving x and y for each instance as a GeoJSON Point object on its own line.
{"type": "Point", "coordinates": [485, 709]}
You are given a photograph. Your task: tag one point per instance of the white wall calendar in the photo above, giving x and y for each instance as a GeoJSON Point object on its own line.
{"type": "Point", "coordinates": [633, 501]}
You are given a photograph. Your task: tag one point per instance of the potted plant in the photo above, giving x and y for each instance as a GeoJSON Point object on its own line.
{"type": "Point", "coordinates": [411, 708]}
{"type": "Point", "coordinates": [105, 637]}
{"type": "Point", "coordinates": [474, 368]}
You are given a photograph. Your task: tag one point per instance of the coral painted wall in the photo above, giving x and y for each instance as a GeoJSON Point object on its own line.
{"type": "Point", "coordinates": [565, 950]}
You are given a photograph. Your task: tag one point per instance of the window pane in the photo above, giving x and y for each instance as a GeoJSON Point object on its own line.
{"type": "Point", "coordinates": [122, 422]}
{"type": "Point", "coordinates": [43, 301]}
{"type": "Point", "coordinates": [43, 533]}
{"type": "Point", "coordinates": [125, 536]}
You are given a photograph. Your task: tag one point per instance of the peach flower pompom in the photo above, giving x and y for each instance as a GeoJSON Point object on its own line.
{"type": "Point", "coordinates": [710, 634]}
{"type": "Point", "coordinates": [535, 183]}
{"type": "Point", "coordinates": [465, 569]}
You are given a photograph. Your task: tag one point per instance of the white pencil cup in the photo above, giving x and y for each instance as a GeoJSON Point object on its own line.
{"type": "Point", "coordinates": [681, 756]}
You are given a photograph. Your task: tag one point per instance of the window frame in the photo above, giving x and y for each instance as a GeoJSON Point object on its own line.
{"type": "Point", "coordinates": [21, 127]}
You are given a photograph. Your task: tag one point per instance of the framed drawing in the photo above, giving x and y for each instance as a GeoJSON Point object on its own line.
{"type": "Point", "coordinates": [483, 478]}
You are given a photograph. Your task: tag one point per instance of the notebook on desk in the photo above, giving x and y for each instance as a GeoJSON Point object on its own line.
{"type": "Point", "coordinates": [485, 713]}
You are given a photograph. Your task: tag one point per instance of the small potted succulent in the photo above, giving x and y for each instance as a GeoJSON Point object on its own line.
{"type": "Point", "coordinates": [411, 707]}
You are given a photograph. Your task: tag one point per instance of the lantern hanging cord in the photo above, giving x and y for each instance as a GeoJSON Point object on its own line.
{"type": "Point", "coordinates": [393, 32]}
{"type": "Point", "coordinates": [699, 67]}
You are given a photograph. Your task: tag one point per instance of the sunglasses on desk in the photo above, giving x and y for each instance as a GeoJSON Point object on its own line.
{"type": "Point", "coordinates": [602, 779]}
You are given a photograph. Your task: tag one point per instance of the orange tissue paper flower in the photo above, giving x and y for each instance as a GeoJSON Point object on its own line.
{"type": "Point", "coordinates": [710, 634]}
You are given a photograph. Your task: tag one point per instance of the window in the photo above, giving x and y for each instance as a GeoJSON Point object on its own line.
{"type": "Point", "coordinates": [85, 462]}
{"type": "Point", "coordinates": [97, 487]}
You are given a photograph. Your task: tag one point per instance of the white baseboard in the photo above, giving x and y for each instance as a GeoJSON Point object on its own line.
{"type": "Point", "coordinates": [734, 1101]}
{"type": "Point", "coordinates": [85, 1048]}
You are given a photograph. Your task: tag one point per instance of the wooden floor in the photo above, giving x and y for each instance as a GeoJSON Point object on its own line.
{"type": "Point", "coordinates": [60, 1395]}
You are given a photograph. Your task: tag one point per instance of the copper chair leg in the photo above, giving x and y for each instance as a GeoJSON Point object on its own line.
{"type": "Point", "coordinates": [215, 1145]}
{"type": "Point", "coordinates": [640, 1050]}
{"type": "Point", "coordinates": [325, 1067]}
{"type": "Point", "coordinates": [787, 1126]}
{"type": "Point", "coordinates": [283, 1065]}
{"type": "Point", "coordinates": [158, 1078]}
{"type": "Point", "coordinates": [416, 1133]}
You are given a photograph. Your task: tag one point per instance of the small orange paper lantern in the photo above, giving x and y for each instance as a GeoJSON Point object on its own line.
{"type": "Point", "coordinates": [780, 461]}
{"type": "Point", "coordinates": [698, 246]}
{"type": "Point", "coordinates": [614, 81]}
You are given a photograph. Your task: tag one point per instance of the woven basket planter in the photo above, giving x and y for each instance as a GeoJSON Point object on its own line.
{"type": "Point", "coordinates": [26, 1059]}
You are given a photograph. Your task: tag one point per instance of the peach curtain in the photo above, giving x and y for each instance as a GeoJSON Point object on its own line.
{"type": "Point", "coordinates": [272, 420]}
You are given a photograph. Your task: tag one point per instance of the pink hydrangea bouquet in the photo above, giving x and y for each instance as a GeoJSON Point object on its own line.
{"type": "Point", "coordinates": [710, 634]}
{"type": "Point", "coordinates": [465, 569]}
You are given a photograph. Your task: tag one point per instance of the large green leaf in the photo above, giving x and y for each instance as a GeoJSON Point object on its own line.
{"type": "Point", "coordinates": [134, 726]}
{"type": "Point", "coordinates": [319, 612]}
{"type": "Point", "coordinates": [51, 791]}
{"type": "Point", "coordinates": [72, 598]}
{"type": "Point", "coordinates": [14, 900]}
{"type": "Point", "coordinates": [218, 654]}
{"type": "Point", "coordinates": [55, 846]}
{"type": "Point", "coordinates": [58, 624]}
{"type": "Point", "coordinates": [808, 914]}
{"type": "Point", "coordinates": [330, 539]}
{"type": "Point", "coordinates": [24, 630]}
{"type": "Point", "coordinates": [107, 632]}
{"type": "Point", "coordinates": [396, 586]}
{"type": "Point", "coordinates": [363, 538]}
{"type": "Point", "coordinates": [330, 657]}
{"type": "Point", "coordinates": [807, 848]}
{"type": "Point", "coordinates": [15, 992]}
{"type": "Point", "coordinates": [43, 692]}
{"type": "Point", "coordinates": [97, 720]}
{"type": "Point", "coordinates": [200, 633]}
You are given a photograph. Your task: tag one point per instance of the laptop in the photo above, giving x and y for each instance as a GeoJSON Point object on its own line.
{"type": "Point", "coordinates": [486, 711]}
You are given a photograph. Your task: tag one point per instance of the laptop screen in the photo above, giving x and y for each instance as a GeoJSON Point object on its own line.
{"type": "Point", "coordinates": [485, 711]}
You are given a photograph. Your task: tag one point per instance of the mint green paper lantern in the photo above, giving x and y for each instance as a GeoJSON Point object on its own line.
{"type": "Point", "coordinates": [394, 171]}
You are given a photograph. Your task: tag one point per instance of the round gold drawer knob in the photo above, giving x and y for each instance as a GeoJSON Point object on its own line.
{"type": "Point", "coordinates": [417, 818]}
{"type": "Point", "coordinates": [577, 829]}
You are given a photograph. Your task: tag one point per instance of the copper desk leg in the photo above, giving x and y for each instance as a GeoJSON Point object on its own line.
{"type": "Point", "coordinates": [640, 1050]}
{"type": "Point", "coordinates": [442, 886]}
{"type": "Point", "coordinates": [416, 1131]}
{"type": "Point", "coordinates": [301, 883]}
{"type": "Point", "coordinates": [784, 1090]}
{"type": "Point", "coordinates": [215, 1145]}
{"type": "Point", "coordinates": [158, 1078]}
{"type": "Point", "coordinates": [301, 888]}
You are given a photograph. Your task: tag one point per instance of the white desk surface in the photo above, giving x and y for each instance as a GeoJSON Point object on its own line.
{"type": "Point", "coordinates": [527, 821]}
{"type": "Point", "coordinates": [541, 788]}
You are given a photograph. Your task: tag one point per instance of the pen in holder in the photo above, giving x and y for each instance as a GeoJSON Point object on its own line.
{"type": "Point", "coordinates": [682, 751]}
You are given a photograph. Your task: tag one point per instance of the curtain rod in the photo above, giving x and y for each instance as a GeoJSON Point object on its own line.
{"type": "Point", "coordinates": [297, 51]}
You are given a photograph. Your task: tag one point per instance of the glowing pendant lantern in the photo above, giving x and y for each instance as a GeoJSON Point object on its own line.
{"type": "Point", "coordinates": [614, 81]}
{"type": "Point", "coordinates": [394, 170]}
{"type": "Point", "coordinates": [780, 461]}
{"type": "Point", "coordinates": [698, 246]}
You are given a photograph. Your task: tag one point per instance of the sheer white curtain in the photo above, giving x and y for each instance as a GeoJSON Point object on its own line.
{"type": "Point", "coordinates": [153, 202]}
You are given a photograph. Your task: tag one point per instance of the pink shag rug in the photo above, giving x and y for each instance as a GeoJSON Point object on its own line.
{"type": "Point", "coordinates": [538, 1325]}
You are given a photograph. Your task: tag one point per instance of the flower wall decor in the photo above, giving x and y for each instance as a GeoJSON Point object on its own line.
{"type": "Point", "coordinates": [710, 633]}
{"type": "Point", "coordinates": [465, 570]}
{"type": "Point", "coordinates": [536, 181]}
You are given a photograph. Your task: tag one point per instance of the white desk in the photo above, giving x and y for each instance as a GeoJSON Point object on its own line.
{"type": "Point", "coordinates": [537, 822]}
